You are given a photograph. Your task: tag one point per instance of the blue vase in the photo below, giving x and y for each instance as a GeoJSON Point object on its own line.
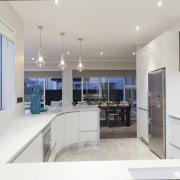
{"type": "Point", "coordinates": [35, 101]}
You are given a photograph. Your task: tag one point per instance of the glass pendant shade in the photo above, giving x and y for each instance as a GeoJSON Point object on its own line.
{"type": "Point", "coordinates": [80, 66]}
{"type": "Point", "coordinates": [40, 62]}
{"type": "Point", "coordinates": [62, 63]}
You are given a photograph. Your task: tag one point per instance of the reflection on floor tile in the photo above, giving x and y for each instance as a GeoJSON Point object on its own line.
{"type": "Point", "coordinates": [110, 149]}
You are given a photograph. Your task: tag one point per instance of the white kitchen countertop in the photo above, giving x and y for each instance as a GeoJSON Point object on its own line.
{"type": "Point", "coordinates": [16, 133]}
{"type": "Point", "coordinates": [92, 170]}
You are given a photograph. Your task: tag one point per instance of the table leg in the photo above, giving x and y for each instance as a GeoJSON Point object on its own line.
{"type": "Point", "coordinates": [128, 117]}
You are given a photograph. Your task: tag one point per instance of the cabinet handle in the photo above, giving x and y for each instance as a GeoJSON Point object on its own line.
{"type": "Point", "coordinates": [149, 107]}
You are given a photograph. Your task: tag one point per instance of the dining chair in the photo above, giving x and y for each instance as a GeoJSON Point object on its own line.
{"type": "Point", "coordinates": [112, 113]}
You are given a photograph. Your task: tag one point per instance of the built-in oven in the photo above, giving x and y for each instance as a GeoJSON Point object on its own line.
{"type": "Point", "coordinates": [46, 143]}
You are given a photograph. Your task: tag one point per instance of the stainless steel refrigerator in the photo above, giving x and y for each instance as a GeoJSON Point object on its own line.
{"type": "Point", "coordinates": [157, 112]}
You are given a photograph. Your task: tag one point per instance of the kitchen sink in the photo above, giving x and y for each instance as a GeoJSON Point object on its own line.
{"type": "Point", "coordinates": [155, 173]}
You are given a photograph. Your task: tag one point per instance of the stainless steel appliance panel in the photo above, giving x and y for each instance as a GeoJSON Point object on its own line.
{"type": "Point", "coordinates": [156, 143]}
{"type": "Point", "coordinates": [157, 96]}
{"type": "Point", "coordinates": [157, 112]}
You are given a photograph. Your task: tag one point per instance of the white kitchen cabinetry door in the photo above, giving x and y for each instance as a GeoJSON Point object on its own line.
{"type": "Point", "coordinates": [57, 134]}
{"type": "Point", "coordinates": [173, 137]}
{"type": "Point", "coordinates": [32, 153]}
{"type": "Point", "coordinates": [89, 125]}
{"type": "Point", "coordinates": [142, 124]}
{"type": "Point", "coordinates": [89, 120]}
{"type": "Point", "coordinates": [71, 128]}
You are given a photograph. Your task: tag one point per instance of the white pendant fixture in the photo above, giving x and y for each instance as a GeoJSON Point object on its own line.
{"type": "Point", "coordinates": [62, 64]}
{"type": "Point", "coordinates": [80, 66]}
{"type": "Point", "coordinates": [40, 62]}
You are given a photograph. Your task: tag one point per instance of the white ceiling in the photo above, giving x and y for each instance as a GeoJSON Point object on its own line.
{"type": "Point", "coordinates": [105, 25]}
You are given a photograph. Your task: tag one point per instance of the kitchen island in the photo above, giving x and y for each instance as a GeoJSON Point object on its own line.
{"type": "Point", "coordinates": [106, 170]}
{"type": "Point", "coordinates": [17, 133]}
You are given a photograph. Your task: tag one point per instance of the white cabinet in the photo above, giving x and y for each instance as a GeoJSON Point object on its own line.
{"type": "Point", "coordinates": [71, 121]}
{"type": "Point", "coordinates": [32, 153]}
{"type": "Point", "coordinates": [57, 136]}
{"type": "Point", "coordinates": [74, 127]}
{"type": "Point", "coordinates": [89, 126]}
{"type": "Point", "coordinates": [174, 152]}
{"type": "Point", "coordinates": [59, 132]}
{"type": "Point", "coordinates": [88, 120]}
{"type": "Point", "coordinates": [142, 124]}
{"type": "Point", "coordinates": [173, 138]}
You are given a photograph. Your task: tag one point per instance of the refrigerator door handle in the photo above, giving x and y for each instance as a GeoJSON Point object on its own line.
{"type": "Point", "coordinates": [149, 107]}
{"type": "Point", "coordinates": [150, 129]}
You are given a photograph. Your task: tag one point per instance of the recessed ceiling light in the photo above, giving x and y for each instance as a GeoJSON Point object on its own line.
{"type": "Point", "coordinates": [134, 53]}
{"type": "Point", "coordinates": [101, 53]}
{"type": "Point", "coordinates": [33, 58]}
{"type": "Point", "coordinates": [56, 1]}
{"type": "Point", "coordinates": [137, 28]}
{"type": "Point", "coordinates": [159, 3]}
{"type": "Point", "coordinates": [68, 53]}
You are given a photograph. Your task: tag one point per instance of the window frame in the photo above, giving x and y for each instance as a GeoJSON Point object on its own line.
{"type": "Point", "coordinates": [0, 72]}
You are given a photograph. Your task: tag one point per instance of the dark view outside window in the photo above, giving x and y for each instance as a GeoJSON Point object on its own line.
{"type": "Point", "coordinates": [91, 89]}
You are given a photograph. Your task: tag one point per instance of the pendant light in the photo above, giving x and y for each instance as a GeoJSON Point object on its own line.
{"type": "Point", "coordinates": [62, 64]}
{"type": "Point", "coordinates": [40, 62]}
{"type": "Point", "coordinates": [80, 66]}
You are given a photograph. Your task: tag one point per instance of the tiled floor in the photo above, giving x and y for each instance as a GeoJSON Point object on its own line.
{"type": "Point", "coordinates": [110, 149]}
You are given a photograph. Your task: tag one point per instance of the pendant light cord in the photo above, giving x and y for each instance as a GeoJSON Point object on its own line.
{"type": "Point", "coordinates": [80, 39]}
{"type": "Point", "coordinates": [62, 53]}
{"type": "Point", "coordinates": [40, 40]}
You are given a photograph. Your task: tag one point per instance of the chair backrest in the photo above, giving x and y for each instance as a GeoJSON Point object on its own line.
{"type": "Point", "coordinates": [112, 107]}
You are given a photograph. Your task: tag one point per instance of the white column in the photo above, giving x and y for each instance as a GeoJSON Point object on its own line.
{"type": "Point", "coordinates": [67, 98]}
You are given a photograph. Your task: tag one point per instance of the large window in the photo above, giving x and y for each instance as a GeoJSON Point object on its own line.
{"type": "Point", "coordinates": [77, 88]}
{"type": "Point", "coordinates": [116, 85]}
{"type": "Point", "coordinates": [0, 72]}
{"type": "Point", "coordinates": [130, 91]}
{"type": "Point", "coordinates": [104, 89]}
{"type": "Point", "coordinates": [7, 74]}
{"type": "Point", "coordinates": [91, 89]}
{"type": "Point", "coordinates": [50, 90]}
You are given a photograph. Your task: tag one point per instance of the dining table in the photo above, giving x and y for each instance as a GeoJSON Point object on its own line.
{"type": "Point", "coordinates": [123, 109]}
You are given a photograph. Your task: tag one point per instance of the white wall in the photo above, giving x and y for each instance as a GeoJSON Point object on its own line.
{"type": "Point", "coordinates": [161, 52]}
{"type": "Point", "coordinates": [13, 20]}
